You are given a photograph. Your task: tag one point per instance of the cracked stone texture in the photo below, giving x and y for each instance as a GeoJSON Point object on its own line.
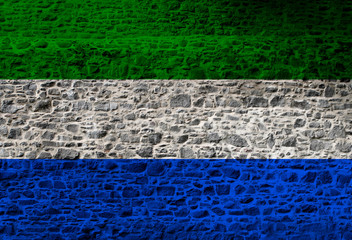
{"type": "Point", "coordinates": [175, 199]}
{"type": "Point", "coordinates": [175, 39]}
{"type": "Point", "coordinates": [71, 119]}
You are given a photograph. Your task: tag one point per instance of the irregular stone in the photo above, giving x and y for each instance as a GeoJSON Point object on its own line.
{"type": "Point", "coordinates": [329, 91]}
{"type": "Point", "coordinates": [318, 134]}
{"type": "Point", "coordinates": [214, 173]}
{"type": "Point", "coordinates": [142, 87]}
{"type": "Point", "coordinates": [277, 101]}
{"type": "Point", "coordinates": [48, 84]}
{"type": "Point", "coordinates": [44, 155]}
{"type": "Point", "coordinates": [70, 95]}
{"type": "Point", "coordinates": [223, 189]}
{"type": "Point", "coordinates": [110, 165]}
{"type": "Point", "coordinates": [13, 210]}
{"type": "Point", "coordinates": [218, 211]}
{"type": "Point", "coordinates": [30, 86]}
{"type": "Point", "coordinates": [164, 213]}
{"type": "Point", "coordinates": [299, 122]}
{"type": "Point", "coordinates": [166, 191]}
{"type": "Point", "coordinates": [28, 194]}
{"type": "Point", "coordinates": [308, 208]}
{"type": "Point", "coordinates": [344, 147]}
{"type": "Point", "coordinates": [237, 141]}
{"type": "Point", "coordinates": [31, 155]}
{"type": "Point", "coordinates": [194, 122]}
{"type": "Point", "coordinates": [214, 137]}
{"type": "Point", "coordinates": [174, 228]}
{"type": "Point", "coordinates": [155, 138]}
{"type": "Point", "coordinates": [137, 167]}
{"type": "Point", "coordinates": [97, 134]}
{"type": "Point", "coordinates": [186, 152]}
{"type": "Point", "coordinates": [153, 205]}
{"type": "Point", "coordinates": [208, 89]}
{"type": "Point", "coordinates": [252, 211]}
{"type": "Point", "coordinates": [314, 125]}
{"type": "Point", "coordinates": [8, 107]}
{"type": "Point", "coordinates": [175, 129]}
{"type": "Point", "coordinates": [106, 106]}
{"type": "Point", "coordinates": [246, 200]}
{"type": "Point", "coordinates": [199, 102]}
{"type": "Point", "coordinates": [148, 191]}
{"type": "Point", "coordinates": [54, 91]}
{"type": "Point", "coordinates": [289, 142]}
{"type": "Point", "coordinates": [231, 172]}
{"type": "Point", "coordinates": [107, 215]}
{"type": "Point", "coordinates": [69, 165]}
{"type": "Point", "coordinates": [233, 103]}
{"type": "Point", "coordinates": [309, 177]}
{"type": "Point", "coordinates": [270, 141]}
{"type": "Point", "coordinates": [181, 100]}
{"type": "Point", "coordinates": [200, 214]}
{"type": "Point", "coordinates": [46, 184]}
{"type": "Point", "coordinates": [14, 133]}
{"type": "Point", "coordinates": [312, 93]}
{"type": "Point", "coordinates": [64, 153]}
{"type": "Point", "coordinates": [42, 106]}
{"type": "Point", "coordinates": [323, 103]}
{"type": "Point", "coordinates": [81, 105]}
{"type": "Point", "coordinates": [130, 116]}
{"type": "Point", "coordinates": [254, 101]}
{"type": "Point", "coordinates": [126, 212]}
{"type": "Point", "coordinates": [239, 189]}
{"type": "Point", "coordinates": [209, 191]}
{"type": "Point", "coordinates": [59, 185]}
{"type": "Point", "coordinates": [316, 145]}
{"type": "Point", "coordinates": [145, 152]}
{"type": "Point", "coordinates": [182, 139]}
{"type": "Point", "coordinates": [337, 132]}
{"type": "Point", "coordinates": [48, 135]}
{"type": "Point", "coordinates": [289, 177]}
{"type": "Point", "coordinates": [72, 128]}
{"type": "Point", "coordinates": [301, 104]}
{"type": "Point", "coordinates": [343, 180]}
{"type": "Point", "coordinates": [7, 175]}
{"type": "Point", "coordinates": [130, 192]}
{"type": "Point", "coordinates": [324, 177]}
{"type": "Point", "coordinates": [3, 130]}
{"type": "Point", "coordinates": [156, 168]}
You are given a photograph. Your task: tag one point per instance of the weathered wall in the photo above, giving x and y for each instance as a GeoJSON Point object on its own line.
{"type": "Point", "coordinates": [69, 119]}
{"type": "Point", "coordinates": [175, 39]}
{"type": "Point", "coordinates": [175, 199]}
{"type": "Point", "coordinates": [229, 194]}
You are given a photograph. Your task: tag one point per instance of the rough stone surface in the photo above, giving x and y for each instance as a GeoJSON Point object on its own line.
{"type": "Point", "coordinates": [181, 100]}
{"type": "Point", "coordinates": [175, 199]}
{"type": "Point", "coordinates": [175, 119]}
{"type": "Point", "coordinates": [175, 39]}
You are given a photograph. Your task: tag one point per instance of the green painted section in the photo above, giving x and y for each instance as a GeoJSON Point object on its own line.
{"type": "Point", "coordinates": [167, 39]}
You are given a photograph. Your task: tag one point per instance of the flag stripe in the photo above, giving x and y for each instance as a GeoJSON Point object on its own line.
{"type": "Point", "coordinates": [175, 119]}
{"type": "Point", "coordinates": [178, 198]}
{"type": "Point", "coordinates": [175, 39]}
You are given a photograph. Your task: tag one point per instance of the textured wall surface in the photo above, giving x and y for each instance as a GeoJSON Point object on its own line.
{"type": "Point", "coordinates": [164, 39]}
{"type": "Point", "coordinates": [175, 199]}
{"type": "Point", "coordinates": [71, 119]}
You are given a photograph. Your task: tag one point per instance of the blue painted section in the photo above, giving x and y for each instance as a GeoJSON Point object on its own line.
{"type": "Point", "coordinates": [176, 199]}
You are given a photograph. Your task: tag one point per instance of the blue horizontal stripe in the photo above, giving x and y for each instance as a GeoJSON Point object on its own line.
{"type": "Point", "coordinates": [175, 199]}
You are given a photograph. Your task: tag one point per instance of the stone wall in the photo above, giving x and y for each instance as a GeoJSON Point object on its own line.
{"type": "Point", "coordinates": [202, 159]}
{"type": "Point", "coordinates": [175, 39]}
{"type": "Point", "coordinates": [175, 199]}
{"type": "Point", "coordinates": [70, 119]}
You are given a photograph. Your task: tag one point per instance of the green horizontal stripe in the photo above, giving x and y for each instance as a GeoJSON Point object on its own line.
{"type": "Point", "coordinates": [175, 39]}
